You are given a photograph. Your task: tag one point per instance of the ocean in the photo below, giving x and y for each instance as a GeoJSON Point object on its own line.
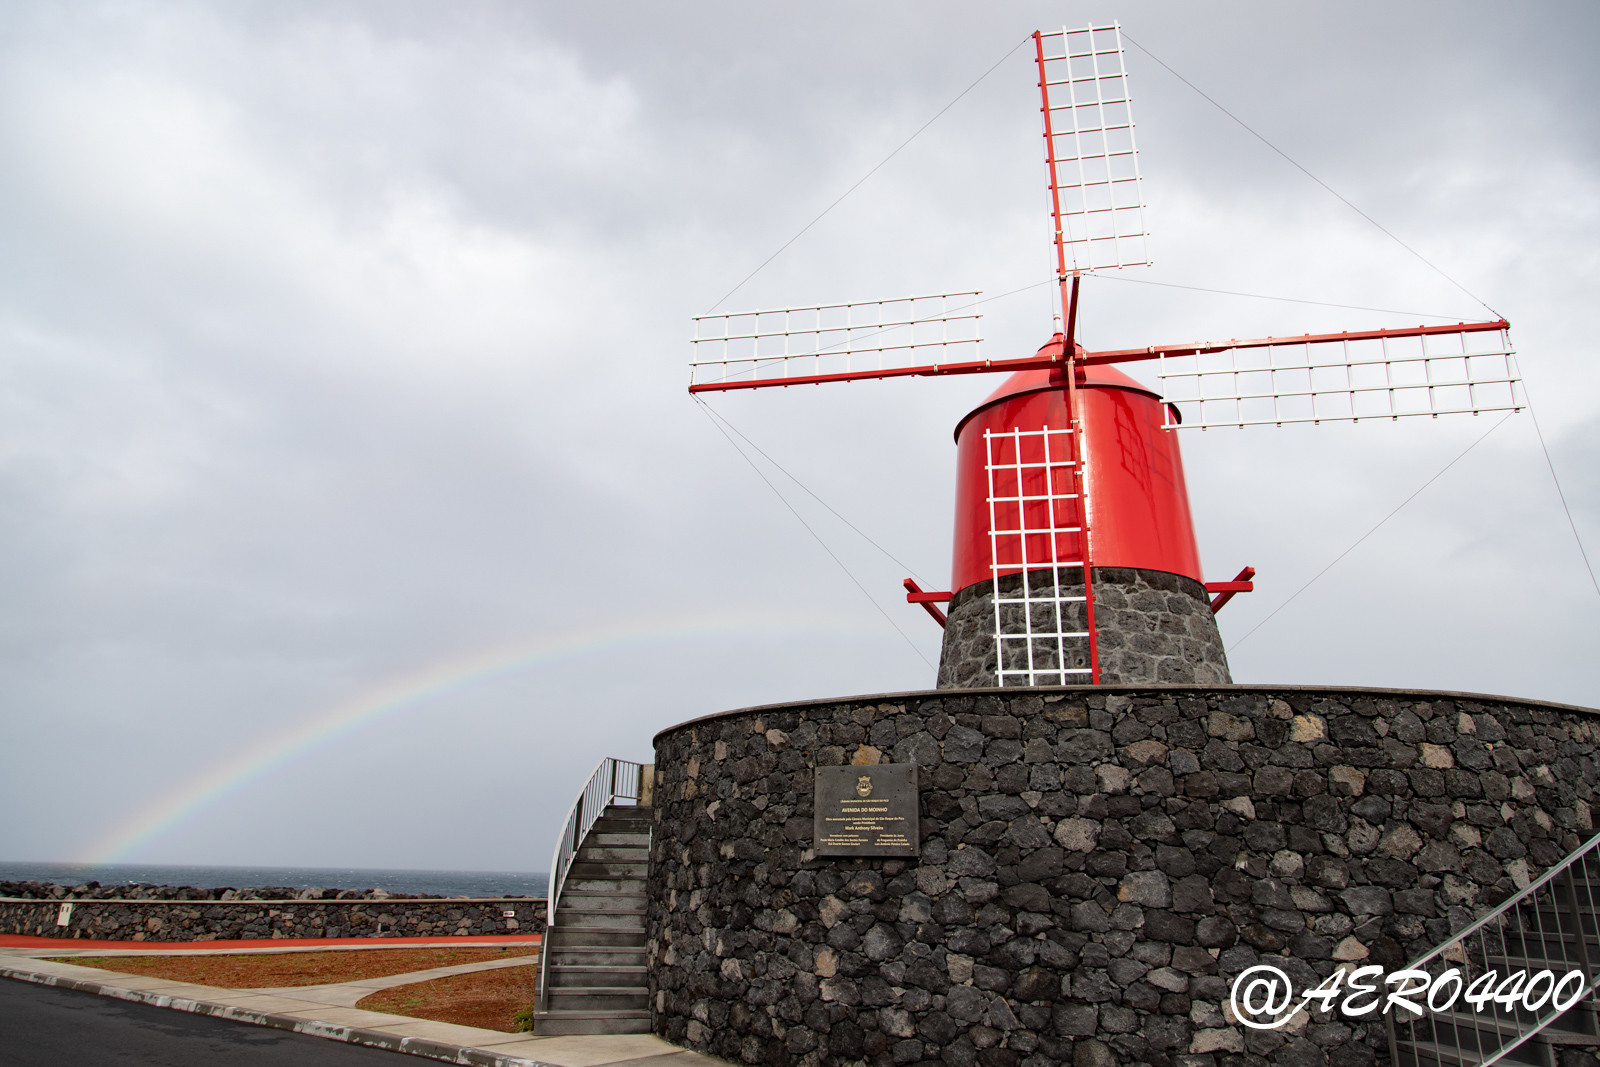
{"type": "Point", "coordinates": [444, 883]}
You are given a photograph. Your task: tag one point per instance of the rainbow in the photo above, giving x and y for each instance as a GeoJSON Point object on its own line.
{"type": "Point", "coordinates": [404, 693]}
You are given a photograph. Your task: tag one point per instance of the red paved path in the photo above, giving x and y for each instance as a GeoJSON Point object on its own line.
{"type": "Point", "coordinates": [29, 941]}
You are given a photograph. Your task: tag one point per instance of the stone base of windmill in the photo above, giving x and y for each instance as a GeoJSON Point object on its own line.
{"type": "Point", "coordinates": [1093, 870]}
{"type": "Point", "coordinates": [1154, 628]}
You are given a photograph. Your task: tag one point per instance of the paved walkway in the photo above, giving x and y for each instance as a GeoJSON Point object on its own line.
{"type": "Point", "coordinates": [329, 1011]}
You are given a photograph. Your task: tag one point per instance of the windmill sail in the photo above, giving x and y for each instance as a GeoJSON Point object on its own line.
{"type": "Point", "coordinates": [1346, 377]}
{"type": "Point", "coordinates": [1096, 192]}
{"type": "Point", "coordinates": [834, 342]}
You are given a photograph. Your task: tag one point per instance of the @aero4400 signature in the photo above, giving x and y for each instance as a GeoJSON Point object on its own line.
{"type": "Point", "coordinates": [1263, 996]}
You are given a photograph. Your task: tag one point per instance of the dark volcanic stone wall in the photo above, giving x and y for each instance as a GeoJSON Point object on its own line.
{"type": "Point", "coordinates": [1154, 627]}
{"type": "Point", "coordinates": [1096, 867]}
{"type": "Point", "coordinates": [183, 913]}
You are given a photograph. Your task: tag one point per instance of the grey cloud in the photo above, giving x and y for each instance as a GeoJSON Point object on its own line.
{"type": "Point", "coordinates": [340, 340]}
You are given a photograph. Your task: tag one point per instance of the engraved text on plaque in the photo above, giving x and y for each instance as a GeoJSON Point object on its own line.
{"type": "Point", "coordinates": [867, 811]}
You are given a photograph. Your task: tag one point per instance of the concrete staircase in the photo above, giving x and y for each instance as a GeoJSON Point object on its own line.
{"type": "Point", "coordinates": [595, 967]}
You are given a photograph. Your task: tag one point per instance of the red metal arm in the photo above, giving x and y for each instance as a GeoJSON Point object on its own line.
{"type": "Point", "coordinates": [1241, 584]}
{"type": "Point", "coordinates": [980, 366]}
{"type": "Point", "coordinates": [915, 595]}
{"type": "Point", "coordinates": [1123, 355]}
{"type": "Point", "coordinates": [1128, 355]}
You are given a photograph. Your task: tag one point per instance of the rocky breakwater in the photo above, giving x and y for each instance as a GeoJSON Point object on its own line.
{"type": "Point", "coordinates": [182, 913]}
{"type": "Point", "coordinates": [1096, 867]}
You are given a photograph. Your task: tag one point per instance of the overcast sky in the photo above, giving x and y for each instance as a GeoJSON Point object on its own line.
{"type": "Point", "coordinates": [343, 346]}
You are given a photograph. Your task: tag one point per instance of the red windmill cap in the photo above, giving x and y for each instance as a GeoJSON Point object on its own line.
{"type": "Point", "coordinates": [1096, 376]}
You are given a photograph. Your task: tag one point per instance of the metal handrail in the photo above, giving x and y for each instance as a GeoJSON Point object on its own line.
{"type": "Point", "coordinates": [1515, 930]}
{"type": "Point", "coordinates": [613, 780]}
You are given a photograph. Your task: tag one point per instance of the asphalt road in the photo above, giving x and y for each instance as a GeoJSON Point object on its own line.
{"type": "Point", "coordinates": [41, 1026]}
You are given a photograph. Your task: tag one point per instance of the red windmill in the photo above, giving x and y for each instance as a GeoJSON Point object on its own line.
{"type": "Point", "coordinates": [1074, 553]}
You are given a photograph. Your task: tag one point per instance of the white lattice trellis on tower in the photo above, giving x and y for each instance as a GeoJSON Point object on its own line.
{"type": "Point", "coordinates": [1040, 615]}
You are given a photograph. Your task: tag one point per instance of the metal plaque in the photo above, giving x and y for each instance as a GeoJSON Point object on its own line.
{"type": "Point", "coordinates": [867, 811]}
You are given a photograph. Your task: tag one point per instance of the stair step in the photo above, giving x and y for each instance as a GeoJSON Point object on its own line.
{"type": "Point", "coordinates": [574, 949]}
{"type": "Point", "coordinates": [561, 1023]}
{"type": "Point", "coordinates": [609, 869]}
{"type": "Point", "coordinates": [606, 947]}
{"type": "Point", "coordinates": [602, 920]}
{"type": "Point", "coordinates": [1546, 914]}
{"type": "Point", "coordinates": [1555, 931]}
{"type": "Point", "coordinates": [601, 902]}
{"type": "Point", "coordinates": [585, 956]}
{"type": "Point", "coordinates": [600, 1000]}
{"type": "Point", "coordinates": [1429, 1053]}
{"type": "Point", "coordinates": [600, 906]}
{"type": "Point", "coordinates": [569, 976]}
{"type": "Point", "coordinates": [1518, 961]}
{"type": "Point", "coordinates": [565, 938]}
{"type": "Point", "coordinates": [615, 854]}
{"type": "Point", "coordinates": [631, 886]}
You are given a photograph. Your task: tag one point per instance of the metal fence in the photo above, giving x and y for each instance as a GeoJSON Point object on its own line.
{"type": "Point", "coordinates": [1528, 966]}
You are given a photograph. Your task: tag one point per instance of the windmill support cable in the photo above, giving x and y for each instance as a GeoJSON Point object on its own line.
{"type": "Point", "coordinates": [807, 490]}
{"type": "Point", "coordinates": [818, 537]}
{"type": "Point", "coordinates": [1375, 528]}
{"type": "Point", "coordinates": [1559, 491]}
{"type": "Point", "coordinates": [1280, 299]}
{"type": "Point", "coordinates": [863, 179]}
{"type": "Point", "coordinates": [1297, 166]}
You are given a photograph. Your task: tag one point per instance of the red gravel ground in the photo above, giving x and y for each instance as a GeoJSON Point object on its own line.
{"type": "Point", "coordinates": [486, 999]}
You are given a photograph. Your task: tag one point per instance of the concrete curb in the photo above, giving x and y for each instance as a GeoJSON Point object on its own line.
{"type": "Point", "coordinates": [354, 1035]}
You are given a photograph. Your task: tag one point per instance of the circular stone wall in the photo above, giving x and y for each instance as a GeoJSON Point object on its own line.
{"type": "Point", "coordinates": [1096, 867]}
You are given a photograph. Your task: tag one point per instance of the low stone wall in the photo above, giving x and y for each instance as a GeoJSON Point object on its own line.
{"type": "Point", "coordinates": [1153, 628]}
{"type": "Point", "coordinates": [1096, 867]}
{"type": "Point", "coordinates": [180, 913]}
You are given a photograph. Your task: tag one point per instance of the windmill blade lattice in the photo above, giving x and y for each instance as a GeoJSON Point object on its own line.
{"type": "Point", "coordinates": [1096, 192]}
{"type": "Point", "coordinates": [833, 342]}
{"type": "Point", "coordinates": [1379, 374]}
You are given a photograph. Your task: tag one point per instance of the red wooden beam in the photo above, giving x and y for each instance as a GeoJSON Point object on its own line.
{"type": "Point", "coordinates": [915, 595]}
{"type": "Point", "coordinates": [1241, 584]}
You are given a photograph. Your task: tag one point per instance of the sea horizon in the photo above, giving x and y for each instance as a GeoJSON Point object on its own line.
{"type": "Point", "coordinates": [215, 876]}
